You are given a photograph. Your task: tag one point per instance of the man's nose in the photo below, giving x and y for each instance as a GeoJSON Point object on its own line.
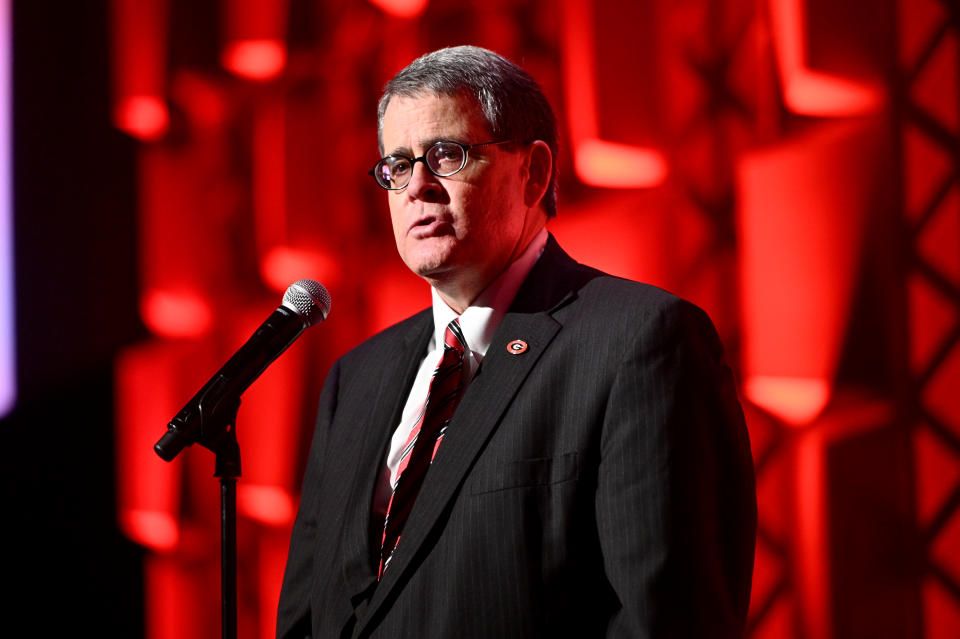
{"type": "Point", "coordinates": [424, 185]}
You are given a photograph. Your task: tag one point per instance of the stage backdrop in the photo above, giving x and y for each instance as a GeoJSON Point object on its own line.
{"type": "Point", "coordinates": [789, 165]}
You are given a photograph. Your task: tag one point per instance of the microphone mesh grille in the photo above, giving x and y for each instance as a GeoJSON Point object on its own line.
{"type": "Point", "coordinates": [308, 299]}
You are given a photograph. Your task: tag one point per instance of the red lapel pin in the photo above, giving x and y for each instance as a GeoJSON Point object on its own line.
{"type": "Point", "coordinates": [516, 347]}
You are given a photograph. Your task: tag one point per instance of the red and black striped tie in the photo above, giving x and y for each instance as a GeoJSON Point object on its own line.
{"type": "Point", "coordinates": [421, 446]}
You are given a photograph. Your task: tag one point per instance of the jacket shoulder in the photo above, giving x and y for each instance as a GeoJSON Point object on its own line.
{"type": "Point", "coordinates": [603, 295]}
{"type": "Point", "coordinates": [404, 331]}
{"type": "Point", "coordinates": [559, 281]}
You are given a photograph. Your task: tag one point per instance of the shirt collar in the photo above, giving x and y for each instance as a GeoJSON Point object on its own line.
{"type": "Point", "coordinates": [480, 320]}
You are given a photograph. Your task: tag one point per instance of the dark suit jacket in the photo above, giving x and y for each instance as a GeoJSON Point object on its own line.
{"type": "Point", "coordinates": [598, 484]}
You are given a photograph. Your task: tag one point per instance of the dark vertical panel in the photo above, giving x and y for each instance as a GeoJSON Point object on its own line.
{"type": "Point", "coordinates": [875, 548]}
{"type": "Point", "coordinates": [67, 563]}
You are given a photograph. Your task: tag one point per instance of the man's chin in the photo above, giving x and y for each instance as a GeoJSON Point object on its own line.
{"type": "Point", "coordinates": [432, 272]}
{"type": "Point", "coordinates": [430, 264]}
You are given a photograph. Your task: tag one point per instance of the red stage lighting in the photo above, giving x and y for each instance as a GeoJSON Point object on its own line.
{"type": "Point", "coordinates": [268, 504]}
{"type": "Point", "coordinates": [178, 599]}
{"type": "Point", "coordinates": [139, 56]}
{"type": "Point", "coordinates": [255, 59]}
{"type": "Point", "coordinates": [280, 262]}
{"type": "Point", "coordinates": [268, 429]}
{"type": "Point", "coordinates": [614, 165]}
{"type": "Point", "coordinates": [816, 534]}
{"type": "Point", "coordinates": [802, 214]}
{"type": "Point", "coordinates": [623, 233]}
{"type": "Point", "coordinates": [254, 36]}
{"type": "Point", "coordinates": [151, 528]}
{"type": "Point", "coordinates": [795, 400]}
{"type": "Point", "coordinates": [176, 314]}
{"type": "Point", "coordinates": [148, 489]}
{"type": "Point", "coordinates": [282, 265]}
{"type": "Point", "coordinates": [808, 91]}
{"type": "Point", "coordinates": [143, 116]}
{"type": "Point", "coordinates": [401, 8]}
{"type": "Point", "coordinates": [599, 161]}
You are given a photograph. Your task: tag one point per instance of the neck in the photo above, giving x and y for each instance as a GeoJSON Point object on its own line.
{"type": "Point", "coordinates": [458, 290]}
{"type": "Point", "coordinates": [461, 289]}
{"type": "Point", "coordinates": [457, 298]}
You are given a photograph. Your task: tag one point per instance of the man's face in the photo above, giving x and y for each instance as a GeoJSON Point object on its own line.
{"type": "Point", "coordinates": [463, 229]}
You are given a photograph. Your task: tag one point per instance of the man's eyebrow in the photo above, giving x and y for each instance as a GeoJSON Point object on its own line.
{"type": "Point", "coordinates": [400, 150]}
{"type": "Point", "coordinates": [428, 142]}
{"type": "Point", "coordinates": [424, 144]}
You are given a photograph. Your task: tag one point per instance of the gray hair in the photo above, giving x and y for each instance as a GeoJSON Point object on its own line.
{"type": "Point", "coordinates": [512, 102]}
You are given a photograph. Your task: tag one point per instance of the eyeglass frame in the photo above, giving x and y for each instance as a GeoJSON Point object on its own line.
{"type": "Point", "coordinates": [423, 158]}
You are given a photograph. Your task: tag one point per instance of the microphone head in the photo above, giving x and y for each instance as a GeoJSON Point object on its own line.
{"type": "Point", "coordinates": [308, 299]}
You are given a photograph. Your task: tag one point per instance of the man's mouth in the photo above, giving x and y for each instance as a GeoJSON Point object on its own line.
{"type": "Point", "coordinates": [429, 226]}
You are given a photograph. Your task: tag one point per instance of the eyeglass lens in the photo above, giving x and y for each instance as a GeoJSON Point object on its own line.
{"type": "Point", "coordinates": [443, 159]}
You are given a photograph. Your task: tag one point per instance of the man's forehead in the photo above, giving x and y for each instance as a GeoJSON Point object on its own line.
{"type": "Point", "coordinates": [426, 117]}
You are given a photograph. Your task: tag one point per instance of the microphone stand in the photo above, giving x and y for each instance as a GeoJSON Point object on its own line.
{"type": "Point", "coordinates": [217, 433]}
{"type": "Point", "coordinates": [210, 418]}
{"type": "Point", "coordinates": [227, 469]}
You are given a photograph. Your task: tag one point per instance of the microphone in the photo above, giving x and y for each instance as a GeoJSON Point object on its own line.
{"type": "Point", "coordinates": [206, 417]}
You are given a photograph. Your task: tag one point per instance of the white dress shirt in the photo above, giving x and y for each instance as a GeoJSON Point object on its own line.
{"type": "Point", "coordinates": [478, 322]}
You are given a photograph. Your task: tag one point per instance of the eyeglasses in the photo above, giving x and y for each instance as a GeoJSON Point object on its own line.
{"type": "Point", "coordinates": [443, 159]}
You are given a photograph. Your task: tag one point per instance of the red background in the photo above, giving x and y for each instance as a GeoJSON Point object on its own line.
{"type": "Point", "coordinates": [789, 165]}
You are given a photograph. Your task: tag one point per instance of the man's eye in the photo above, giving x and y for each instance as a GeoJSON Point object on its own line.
{"type": "Point", "coordinates": [399, 167]}
{"type": "Point", "coordinates": [447, 152]}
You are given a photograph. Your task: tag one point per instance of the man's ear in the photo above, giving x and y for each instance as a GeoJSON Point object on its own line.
{"type": "Point", "coordinates": [539, 167]}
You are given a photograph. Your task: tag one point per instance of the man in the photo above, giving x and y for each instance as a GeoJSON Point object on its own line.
{"type": "Point", "coordinates": [586, 472]}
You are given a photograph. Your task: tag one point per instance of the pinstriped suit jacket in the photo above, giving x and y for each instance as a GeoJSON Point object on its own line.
{"type": "Point", "coordinates": [599, 484]}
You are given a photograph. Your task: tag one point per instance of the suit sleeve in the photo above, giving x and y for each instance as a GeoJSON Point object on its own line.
{"type": "Point", "coordinates": [293, 611]}
{"type": "Point", "coordinates": [675, 503]}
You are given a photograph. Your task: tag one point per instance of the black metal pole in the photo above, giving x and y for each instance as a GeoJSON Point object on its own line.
{"type": "Point", "coordinates": [228, 470]}
{"type": "Point", "coordinates": [228, 556]}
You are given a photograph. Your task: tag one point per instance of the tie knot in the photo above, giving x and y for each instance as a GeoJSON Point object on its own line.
{"type": "Point", "coordinates": [453, 337]}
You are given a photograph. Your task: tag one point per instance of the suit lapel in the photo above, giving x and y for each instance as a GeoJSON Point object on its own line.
{"type": "Point", "coordinates": [396, 370]}
{"type": "Point", "coordinates": [500, 378]}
